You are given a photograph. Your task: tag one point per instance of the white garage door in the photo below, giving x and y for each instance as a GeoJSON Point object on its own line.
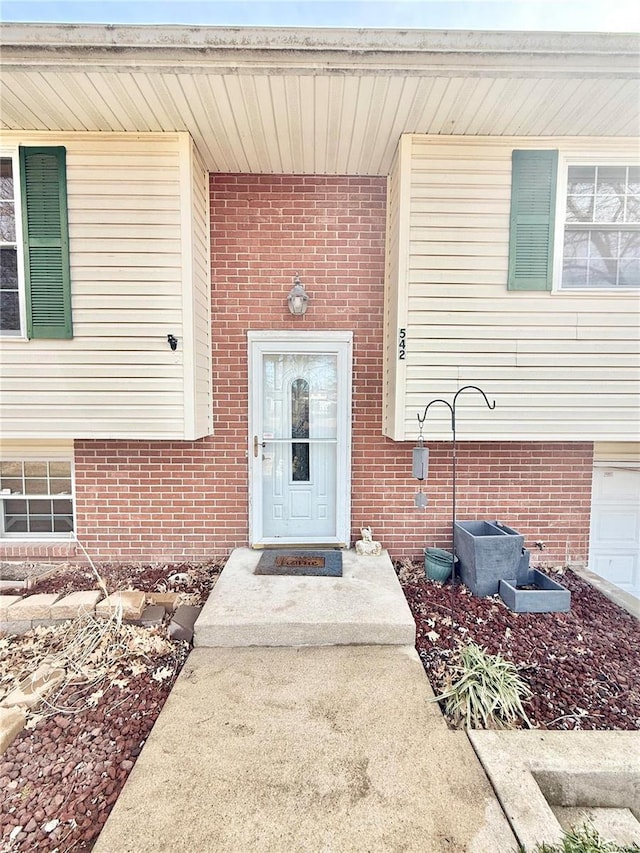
{"type": "Point", "coordinates": [615, 526]}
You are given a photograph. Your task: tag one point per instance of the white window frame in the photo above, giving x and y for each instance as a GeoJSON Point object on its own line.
{"type": "Point", "coordinates": [39, 536]}
{"type": "Point", "coordinates": [564, 161]}
{"type": "Point", "coordinates": [12, 153]}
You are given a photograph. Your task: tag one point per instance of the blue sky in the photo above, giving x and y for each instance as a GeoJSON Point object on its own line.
{"type": "Point", "coordinates": [571, 15]}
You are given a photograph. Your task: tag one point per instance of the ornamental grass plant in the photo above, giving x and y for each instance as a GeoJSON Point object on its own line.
{"type": "Point", "coordinates": [483, 691]}
{"type": "Point", "coordinates": [584, 839]}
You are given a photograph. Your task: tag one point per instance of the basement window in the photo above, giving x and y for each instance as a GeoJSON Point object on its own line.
{"type": "Point", "coordinates": [36, 498]}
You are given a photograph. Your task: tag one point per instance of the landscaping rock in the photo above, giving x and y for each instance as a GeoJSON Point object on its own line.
{"type": "Point", "coordinates": [66, 773]}
{"type": "Point", "coordinates": [152, 616]}
{"type": "Point", "coordinates": [22, 574]}
{"type": "Point", "coordinates": [130, 601]}
{"type": "Point", "coordinates": [578, 664]}
{"type": "Point", "coordinates": [589, 683]}
{"type": "Point", "coordinates": [33, 607]}
{"type": "Point", "coordinates": [6, 601]}
{"type": "Point", "coordinates": [20, 627]}
{"type": "Point", "coordinates": [181, 626]}
{"type": "Point", "coordinates": [76, 604]}
{"type": "Point", "coordinates": [12, 722]}
{"type": "Point", "coordinates": [168, 600]}
{"type": "Point", "coordinates": [33, 688]}
{"type": "Point", "coordinates": [12, 585]}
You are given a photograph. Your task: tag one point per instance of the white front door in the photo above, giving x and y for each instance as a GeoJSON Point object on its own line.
{"type": "Point", "coordinates": [299, 438]}
{"type": "Point", "coordinates": [615, 525]}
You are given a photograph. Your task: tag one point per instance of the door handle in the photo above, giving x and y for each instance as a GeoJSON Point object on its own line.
{"type": "Point", "coordinates": [256, 444]}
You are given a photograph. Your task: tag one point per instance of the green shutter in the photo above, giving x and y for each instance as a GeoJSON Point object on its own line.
{"type": "Point", "coordinates": [533, 204]}
{"type": "Point", "coordinates": [46, 242]}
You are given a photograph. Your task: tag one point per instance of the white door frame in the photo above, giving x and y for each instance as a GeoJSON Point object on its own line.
{"type": "Point", "coordinates": [311, 342]}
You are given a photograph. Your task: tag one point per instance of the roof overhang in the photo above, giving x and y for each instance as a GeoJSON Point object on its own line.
{"type": "Point", "coordinates": [316, 100]}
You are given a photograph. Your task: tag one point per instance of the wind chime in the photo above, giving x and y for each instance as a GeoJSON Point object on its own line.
{"type": "Point", "coordinates": [421, 469]}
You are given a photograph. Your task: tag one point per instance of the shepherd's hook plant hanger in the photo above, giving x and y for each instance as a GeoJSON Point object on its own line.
{"type": "Point", "coordinates": [421, 420]}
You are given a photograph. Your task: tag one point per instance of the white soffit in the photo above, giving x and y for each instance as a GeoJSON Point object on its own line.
{"type": "Point", "coordinates": [316, 101]}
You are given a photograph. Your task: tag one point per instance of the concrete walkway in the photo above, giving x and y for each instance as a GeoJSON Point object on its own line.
{"type": "Point", "coordinates": [330, 749]}
{"type": "Point", "coordinates": [317, 748]}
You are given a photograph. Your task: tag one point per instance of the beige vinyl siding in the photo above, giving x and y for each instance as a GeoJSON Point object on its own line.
{"type": "Point", "coordinates": [559, 365]}
{"type": "Point", "coordinates": [117, 377]}
{"type": "Point", "coordinates": [610, 451]}
{"type": "Point", "coordinates": [201, 298]}
{"type": "Point", "coordinates": [36, 449]}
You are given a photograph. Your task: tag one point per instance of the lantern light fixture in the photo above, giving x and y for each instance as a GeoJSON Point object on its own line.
{"type": "Point", "coordinates": [298, 299]}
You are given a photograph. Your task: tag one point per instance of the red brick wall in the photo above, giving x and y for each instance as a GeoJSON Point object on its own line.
{"type": "Point", "coordinates": [155, 500]}
{"type": "Point", "coordinates": [543, 490]}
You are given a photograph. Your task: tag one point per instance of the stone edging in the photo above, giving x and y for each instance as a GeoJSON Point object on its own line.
{"type": "Point", "coordinates": [20, 614]}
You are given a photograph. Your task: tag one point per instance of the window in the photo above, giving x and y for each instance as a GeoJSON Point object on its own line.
{"type": "Point", "coordinates": [10, 261]}
{"type": "Point", "coordinates": [597, 243]}
{"type": "Point", "coordinates": [35, 287]}
{"type": "Point", "coordinates": [602, 227]}
{"type": "Point", "coordinates": [300, 429]}
{"type": "Point", "coordinates": [37, 498]}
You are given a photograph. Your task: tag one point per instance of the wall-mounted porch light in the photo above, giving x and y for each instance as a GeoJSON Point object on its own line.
{"type": "Point", "coordinates": [297, 299]}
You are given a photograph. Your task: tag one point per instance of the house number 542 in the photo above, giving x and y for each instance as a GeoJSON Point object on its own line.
{"type": "Point", "coordinates": [402, 344]}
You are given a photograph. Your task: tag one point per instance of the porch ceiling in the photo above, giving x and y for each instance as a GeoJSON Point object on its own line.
{"type": "Point", "coordinates": [316, 101]}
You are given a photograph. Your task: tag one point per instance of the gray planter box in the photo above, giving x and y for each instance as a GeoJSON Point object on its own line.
{"type": "Point", "coordinates": [524, 568]}
{"type": "Point", "coordinates": [551, 597]}
{"type": "Point", "coordinates": [488, 552]}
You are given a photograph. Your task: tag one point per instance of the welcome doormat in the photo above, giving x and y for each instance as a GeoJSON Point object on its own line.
{"type": "Point", "coordinates": [314, 563]}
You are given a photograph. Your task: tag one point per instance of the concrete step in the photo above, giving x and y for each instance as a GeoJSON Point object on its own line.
{"type": "Point", "coordinates": [534, 771]}
{"type": "Point", "coordinates": [618, 825]}
{"type": "Point", "coordinates": [364, 606]}
{"type": "Point", "coordinates": [335, 749]}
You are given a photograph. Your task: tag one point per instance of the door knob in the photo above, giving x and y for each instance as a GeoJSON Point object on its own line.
{"type": "Point", "coordinates": [257, 444]}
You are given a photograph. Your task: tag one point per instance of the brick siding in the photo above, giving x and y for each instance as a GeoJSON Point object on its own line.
{"type": "Point", "coordinates": [157, 500]}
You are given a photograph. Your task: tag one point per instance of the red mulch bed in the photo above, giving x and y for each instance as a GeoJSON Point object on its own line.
{"type": "Point", "coordinates": [582, 666]}
{"type": "Point", "coordinates": [153, 578]}
{"type": "Point", "coordinates": [59, 781]}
